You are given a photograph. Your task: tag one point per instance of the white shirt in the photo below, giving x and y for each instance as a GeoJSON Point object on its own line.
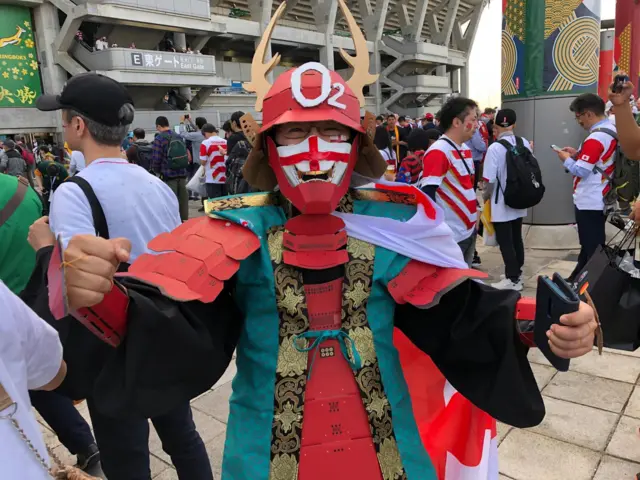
{"type": "Point", "coordinates": [389, 156]}
{"type": "Point", "coordinates": [214, 167]}
{"type": "Point", "coordinates": [596, 151]}
{"type": "Point", "coordinates": [77, 162]}
{"type": "Point", "coordinates": [137, 205]}
{"type": "Point", "coordinates": [30, 357]}
{"type": "Point", "coordinates": [495, 170]}
{"type": "Point", "coordinates": [453, 176]}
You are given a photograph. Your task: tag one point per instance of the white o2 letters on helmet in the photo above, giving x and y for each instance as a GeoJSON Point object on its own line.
{"type": "Point", "coordinates": [296, 87]}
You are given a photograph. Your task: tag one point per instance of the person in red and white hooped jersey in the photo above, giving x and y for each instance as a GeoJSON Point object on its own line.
{"type": "Point", "coordinates": [587, 164]}
{"type": "Point", "coordinates": [449, 172]}
{"type": "Point", "coordinates": [212, 155]}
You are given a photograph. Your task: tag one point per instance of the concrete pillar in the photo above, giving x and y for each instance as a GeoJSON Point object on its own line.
{"type": "Point", "coordinates": [180, 42]}
{"type": "Point", "coordinates": [455, 81]}
{"type": "Point", "coordinates": [464, 81]}
{"type": "Point", "coordinates": [543, 72]}
{"type": "Point", "coordinates": [46, 29]}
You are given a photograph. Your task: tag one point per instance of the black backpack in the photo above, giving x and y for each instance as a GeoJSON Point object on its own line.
{"type": "Point", "coordinates": [524, 188]}
{"type": "Point", "coordinates": [624, 179]}
{"type": "Point", "coordinates": [235, 183]}
{"type": "Point", "coordinates": [144, 154]}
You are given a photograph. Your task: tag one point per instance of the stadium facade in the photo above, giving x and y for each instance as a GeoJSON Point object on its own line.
{"type": "Point", "coordinates": [420, 48]}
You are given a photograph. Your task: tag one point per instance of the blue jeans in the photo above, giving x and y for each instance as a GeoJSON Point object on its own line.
{"type": "Point", "coordinates": [124, 444]}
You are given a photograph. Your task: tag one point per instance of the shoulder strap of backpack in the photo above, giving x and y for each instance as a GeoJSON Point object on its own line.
{"type": "Point", "coordinates": [459, 153]}
{"type": "Point", "coordinates": [608, 131]}
{"type": "Point", "coordinates": [99, 220]}
{"type": "Point", "coordinates": [14, 202]}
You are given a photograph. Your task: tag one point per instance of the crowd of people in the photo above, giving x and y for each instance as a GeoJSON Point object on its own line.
{"type": "Point", "coordinates": [138, 188]}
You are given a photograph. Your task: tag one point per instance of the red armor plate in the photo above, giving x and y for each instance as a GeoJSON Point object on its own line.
{"type": "Point", "coordinates": [346, 460]}
{"type": "Point", "coordinates": [316, 260]}
{"type": "Point", "coordinates": [335, 429]}
{"type": "Point", "coordinates": [201, 254]}
{"type": "Point", "coordinates": [334, 419]}
{"type": "Point", "coordinates": [108, 319]}
{"type": "Point", "coordinates": [331, 376]}
{"type": "Point", "coordinates": [314, 224]}
{"type": "Point", "coordinates": [301, 243]}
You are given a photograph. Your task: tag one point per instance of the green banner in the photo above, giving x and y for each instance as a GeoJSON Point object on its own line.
{"type": "Point", "coordinates": [19, 72]}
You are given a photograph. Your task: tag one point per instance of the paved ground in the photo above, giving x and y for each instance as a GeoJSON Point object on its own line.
{"type": "Point", "coordinates": [593, 411]}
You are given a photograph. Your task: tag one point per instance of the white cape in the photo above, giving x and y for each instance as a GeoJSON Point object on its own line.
{"type": "Point", "coordinates": [420, 238]}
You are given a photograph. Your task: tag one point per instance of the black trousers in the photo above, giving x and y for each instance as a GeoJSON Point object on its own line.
{"type": "Point", "coordinates": [64, 419]}
{"type": "Point", "coordinates": [509, 237]}
{"type": "Point", "coordinates": [215, 190]}
{"type": "Point", "coordinates": [124, 445]}
{"type": "Point", "coordinates": [591, 234]}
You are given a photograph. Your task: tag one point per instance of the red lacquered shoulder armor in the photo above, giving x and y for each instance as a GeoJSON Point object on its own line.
{"type": "Point", "coordinates": [424, 285]}
{"type": "Point", "coordinates": [198, 257]}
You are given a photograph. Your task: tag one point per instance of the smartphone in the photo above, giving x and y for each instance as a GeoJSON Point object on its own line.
{"type": "Point", "coordinates": [618, 82]}
{"type": "Point", "coordinates": [556, 148]}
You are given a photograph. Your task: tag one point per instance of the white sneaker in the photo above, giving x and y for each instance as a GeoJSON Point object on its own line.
{"type": "Point", "coordinates": [506, 284]}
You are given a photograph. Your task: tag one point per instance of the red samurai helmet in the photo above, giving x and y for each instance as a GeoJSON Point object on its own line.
{"type": "Point", "coordinates": [311, 122]}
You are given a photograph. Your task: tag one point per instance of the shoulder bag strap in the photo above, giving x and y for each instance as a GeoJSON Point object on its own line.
{"type": "Point", "coordinates": [459, 153]}
{"type": "Point", "coordinates": [14, 202]}
{"type": "Point", "coordinates": [99, 220]}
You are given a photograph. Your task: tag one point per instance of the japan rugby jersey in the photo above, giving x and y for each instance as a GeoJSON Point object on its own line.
{"type": "Point", "coordinates": [212, 152]}
{"type": "Point", "coordinates": [444, 168]}
{"type": "Point", "coordinates": [597, 151]}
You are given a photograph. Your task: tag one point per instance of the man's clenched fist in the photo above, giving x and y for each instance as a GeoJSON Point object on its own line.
{"type": "Point", "coordinates": [91, 264]}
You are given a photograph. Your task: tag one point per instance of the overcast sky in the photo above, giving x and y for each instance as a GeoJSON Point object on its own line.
{"type": "Point", "coordinates": [485, 62]}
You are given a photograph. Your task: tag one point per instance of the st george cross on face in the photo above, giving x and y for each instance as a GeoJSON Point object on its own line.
{"type": "Point", "coordinates": [313, 163]}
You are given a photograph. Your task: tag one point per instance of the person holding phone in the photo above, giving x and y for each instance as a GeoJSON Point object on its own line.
{"type": "Point", "coordinates": [590, 165]}
{"type": "Point", "coordinates": [620, 94]}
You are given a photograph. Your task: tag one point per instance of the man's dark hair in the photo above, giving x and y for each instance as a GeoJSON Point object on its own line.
{"type": "Point", "coordinates": [588, 102]}
{"type": "Point", "coordinates": [433, 134]}
{"type": "Point", "coordinates": [162, 122]}
{"type": "Point", "coordinates": [402, 118]}
{"type": "Point", "coordinates": [489, 111]}
{"type": "Point", "coordinates": [139, 133]}
{"type": "Point", "coordinates": [381, 139]}
{"type": "Point", "coordinates": [380, 117]}
{"type": "Point", "coordinates": [390, 115]}
{"type": "Point", "coordinates": [44, 148]}
{"type": "Point", "coordinates": [236, 116]}
{"type": "Point", "coordinates": [208, 128]}
{"type": "Point", "coordinates": [10, 144]}
{"type": "Point", "coordinates": [200, 122]}
{"type": "Point", "coordinates": [418, 140]}
{"type": "Point", "coordinates": [455, 107]}
{"type": "Point", "coordinates": [226, 126]}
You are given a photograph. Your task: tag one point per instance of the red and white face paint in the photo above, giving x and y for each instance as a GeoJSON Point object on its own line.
{"type": "Point", "coordinates": [314, 174]}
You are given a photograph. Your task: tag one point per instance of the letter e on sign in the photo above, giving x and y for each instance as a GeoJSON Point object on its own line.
{"type": "Point", "coordinates": [137, 59]}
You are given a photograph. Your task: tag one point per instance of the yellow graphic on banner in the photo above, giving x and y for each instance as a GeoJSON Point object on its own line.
{"type": "Point", "coordinates": [19, 68]}
{"type": "Point", "coordinates": [575, 54]}
{"type": "Point", "coordinates": [515, 16]}
{"type": "Point", "coordinates": [557, 13]}
{"type": "Point", "coordinates": [509, 62]}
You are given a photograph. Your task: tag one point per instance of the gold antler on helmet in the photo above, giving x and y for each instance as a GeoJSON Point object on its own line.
{"type": "Point", "coordinates": [360, 63]}
{"type": "Point", "coordinates": [259, 69]}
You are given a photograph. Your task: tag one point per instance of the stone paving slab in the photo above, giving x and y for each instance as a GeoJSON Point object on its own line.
{"type": "Point", "coordinates": [633, 407]}
{"type": "Point", "coordinates": [576, 424]}
{"type": "Point", "coordinates": [525, 455]}
{"type": "Point", "coordinates": [589, 390]}
{"type": "Point", "coordinates": [615, 469]}
{"type": "Point", "coordinates": [625, 442]}
{"type": "Point", "coordinates": [543, 374]}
